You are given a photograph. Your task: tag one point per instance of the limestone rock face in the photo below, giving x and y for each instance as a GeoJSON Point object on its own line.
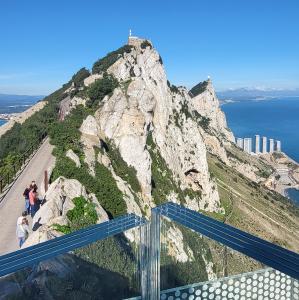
{"type": "Point", "coordinates": [77, 101]}
{"type": "Point", "coordinates": [74, 157]}
{"type": "Point", "coordinates": [145, 105]}
{"type": "Point", "coordinates": [207, 104]}
{"type": "Point", "coordinates": [90, 126]}
{"type": "Point", "coordinates": [91, 79]}
{"type": "Point", "coordinates": [58, 202]}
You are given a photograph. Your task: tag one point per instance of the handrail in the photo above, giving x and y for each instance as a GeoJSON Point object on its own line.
{"type": "Point", "coordinates": [27, 257]}
{"type": "Point", "coordinates": [21, 162]}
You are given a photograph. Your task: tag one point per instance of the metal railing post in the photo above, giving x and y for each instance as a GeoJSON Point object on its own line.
{"type": "Point", "coordinates": [155, 248]}
{"type": "Point", "coordinates": [144, 261]}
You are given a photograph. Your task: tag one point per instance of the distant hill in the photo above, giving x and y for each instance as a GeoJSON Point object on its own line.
{"type": "Point", "coordinates": [17, 103]}
{"type": "Point", "coordinates": [256, 94]}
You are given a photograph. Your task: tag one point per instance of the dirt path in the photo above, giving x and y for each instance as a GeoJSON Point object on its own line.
{"type": "Point", "coordinates": [12, 205]}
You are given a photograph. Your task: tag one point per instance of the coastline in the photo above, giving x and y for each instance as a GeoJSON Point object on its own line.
{"type": "Point", "coordinates": [292, 193]}
{"type": "Point", "coordinates": [285, 176]}
{"type": "Point", "coordinates": [21, 117]}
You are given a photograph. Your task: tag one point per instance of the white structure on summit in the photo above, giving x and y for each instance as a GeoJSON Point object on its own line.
{"type": "Point", "coordinates": [257, 144]}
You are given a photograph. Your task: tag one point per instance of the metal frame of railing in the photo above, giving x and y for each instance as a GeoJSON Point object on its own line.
{"type": "Point", "coordinates": [7, 179]}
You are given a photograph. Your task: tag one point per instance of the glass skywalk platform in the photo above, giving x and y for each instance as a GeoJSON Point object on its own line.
{"type": "Point", "coordinates": [178, 254]}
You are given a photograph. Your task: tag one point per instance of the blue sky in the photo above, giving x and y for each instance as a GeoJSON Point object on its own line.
{"type": "Point", "coordinates": [239, 43]}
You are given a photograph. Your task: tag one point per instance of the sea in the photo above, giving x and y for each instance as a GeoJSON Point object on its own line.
{"type": "Point", "coordinates": [274, 118]}
{"type": "Point", "coordinates": [15, 103]}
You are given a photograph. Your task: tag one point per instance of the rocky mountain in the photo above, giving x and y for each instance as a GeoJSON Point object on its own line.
{"type": "Point", "coordinates": [129, 140]}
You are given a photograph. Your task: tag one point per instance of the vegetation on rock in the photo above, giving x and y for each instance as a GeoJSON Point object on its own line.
{"type": "Point", "coordinates": [100, 88]}
{"type": "Point", "coordinates": [82, 215]}
{"type": "Point", "coordinates": [104, 63]}
{"type": "Point", "coordinates": [145, 44]}
{"type": "Point", "coordinates": [78, 78]}
{"type": "Point", "coordinates": [121, 168]}
{"type": "Point", "coordinates": [163, 182]}
{"type": "Point", "coordinates": [199, 88]}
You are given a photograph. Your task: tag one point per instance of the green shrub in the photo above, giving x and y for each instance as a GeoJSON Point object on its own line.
{"type": "Point", "coordinates": [122, 169]}
{"type": "Point", "coordinates": [25, 138]}
{"type": "Point", "coordinates": [199, 88]}
{"type": "Point", "coordinates": [66, 135]}
{"type": "Point", "coordinates": [102, 185]}
{"type": "Point", "coordinates": [145, 44]}
{"type": "Point", "coordinates": [79, 77]}
{"type": "Point", "coordinates": [100, 88]}
{"type": "Point", "coordinates": [104, 63]}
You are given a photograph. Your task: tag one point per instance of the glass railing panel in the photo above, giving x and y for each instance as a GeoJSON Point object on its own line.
{"type": "Point", "coordinates": [106, 269]}
{"type": "Point", "coordinates": [188, 257]}
{"type": "Point", "coordinates": [196, 267]}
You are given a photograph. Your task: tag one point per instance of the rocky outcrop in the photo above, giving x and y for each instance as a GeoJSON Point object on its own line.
{"type": "Point", "coordinates": [144, 104]}
{"type": "Point", "coordinates": [58, 202]}
{"type": "Point", "coordinates": [207, 104]}
{"type": "Point", "coordinates": [68, 104]}
{"type": "Point", "coordinates": [91, 79]}
{"type": "Point", "coordinates": [74, 157]}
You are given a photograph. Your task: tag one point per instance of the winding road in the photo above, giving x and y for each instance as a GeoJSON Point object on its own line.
{"type": "Point", "coordinates": [13, 204]}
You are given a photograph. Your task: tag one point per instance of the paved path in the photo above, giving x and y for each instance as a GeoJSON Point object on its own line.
{"type": "Point", "coordinates": [13, 203]}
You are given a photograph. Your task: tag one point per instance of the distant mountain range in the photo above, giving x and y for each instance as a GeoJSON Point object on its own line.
{"type": "Point", "coordinates": [17, 103]}
{"type": "Point", "coordinates": [256, 94]}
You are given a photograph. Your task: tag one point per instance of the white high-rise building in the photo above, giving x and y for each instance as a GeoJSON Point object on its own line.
{"type": "Point", "coordinates": [247, 145]}
{"type": "Point", "coordinates": [278, 146]}
{"type": "Point", "coordinates": [264, 144]}
{"type": "Point", "coordinates": [240, 143]}
{"type": "Point", "coordinates": [257, 144]}
{"type": "Point", "coordinates": [271, 145]}
{"type": "Point", "coordinates": [250, 145]}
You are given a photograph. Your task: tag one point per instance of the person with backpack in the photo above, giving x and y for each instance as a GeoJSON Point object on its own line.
{"type": "Point", "coordinates": [26, 197]}
{"type": "Point", "coordinates": [22, 230]}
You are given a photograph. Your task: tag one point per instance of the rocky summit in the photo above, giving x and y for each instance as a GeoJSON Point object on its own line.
{"type": "Point", "coordinates": [156, 142]}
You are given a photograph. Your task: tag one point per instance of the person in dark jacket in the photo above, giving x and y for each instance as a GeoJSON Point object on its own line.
{"type": "Point", "coordinates": [26, 197]}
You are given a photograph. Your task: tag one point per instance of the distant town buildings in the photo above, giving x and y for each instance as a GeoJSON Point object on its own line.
{"type": "Point", "coordinates": [247, 146]}
{"type": "Point", "coordinates": [257, 144]}
{"type": "Point", "coordinates": [264, 147]}
{"type": "Point", "coordinates": [278, 146]}
{"type": "Point", "coordinates": [271, 145]}
{"type": "Point", "coordinates": [240, 143]}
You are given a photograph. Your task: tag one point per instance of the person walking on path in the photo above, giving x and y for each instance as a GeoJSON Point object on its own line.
{"type": "Point", "coordinates": [27, 203]}
{"type": "Point", "coordinates": [22, 230]}
{"type": "Point", "coordinates": [33, 199]}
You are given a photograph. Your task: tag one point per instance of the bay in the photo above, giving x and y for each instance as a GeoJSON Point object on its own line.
{"type": "Point", "coordinates": [293, 194]}
{"type": "Point", "coordinates": [2, 122]}
{"type": "Point", "coordinates": [276, 118]}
